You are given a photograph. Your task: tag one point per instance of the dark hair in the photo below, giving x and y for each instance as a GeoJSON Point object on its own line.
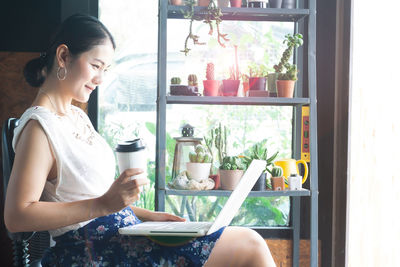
{"type": "Point", "coordinates": [79, 32]}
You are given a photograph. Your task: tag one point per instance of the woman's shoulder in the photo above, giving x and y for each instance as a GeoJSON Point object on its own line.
{"type": "Point", "coordinates": [38, 110]}
{"type": "Point", "coordinates": [40, 114]}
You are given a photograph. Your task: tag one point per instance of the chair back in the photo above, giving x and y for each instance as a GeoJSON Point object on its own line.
{"type": "Point", "coordinates": [28, 247]}
{"type": "Point", "coordinates": [7, 150]}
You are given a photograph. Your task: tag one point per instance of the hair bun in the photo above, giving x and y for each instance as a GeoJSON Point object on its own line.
{"type": "Point", "coordinates": [33, 71]}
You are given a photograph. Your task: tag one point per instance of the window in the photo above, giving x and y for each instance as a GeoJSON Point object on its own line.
{"type": "Point", "coordinates": [127, 98]}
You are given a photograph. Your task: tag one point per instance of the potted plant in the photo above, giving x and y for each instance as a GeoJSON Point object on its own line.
{"type": "Point", "coordinates": [257, 77]}
{"type": "Point", "coordinates": [292, 41]}
{"type": "Point", "coordinates": [257, 3]}
{"type": "Point", "coordinates": [288, 3]}
{"type": "Point", "coordinates": [259, 151]}
{"type": "Point", "coordinates": [192, 83]}
{"type": "Point", "coordinates": [200, 163]}
{"type": "Point", "coordinates": [210, 141]}
{"type": "Point", "coordinates": [223, 3]}
{"type": "Point", "coordinates": [203, 2]}
{"type": "Point", "coordinates": [231, 85]}
{"type": "Point", "coordinates": [176, 88]}
{"type": "Point", "coordinates": [176, 2]}
{"type": "Point", "coordinates": [211, 86]}
{"type": "Point", "coordinates": [277, 179]}
{"type": "Point", "coordinates": [236, 3]}
{"type": "Point", "coordinates": [245, 82]}
{"type": "Point", "coordinates": [275, 3]}
{"type": "Point", "coordinates": [286, 81]}
{"type": "Point", "coordinates": [231, 171]}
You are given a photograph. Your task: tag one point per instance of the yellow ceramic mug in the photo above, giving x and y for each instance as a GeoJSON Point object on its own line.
{"type": "Point", "coordinates": [290, 166]}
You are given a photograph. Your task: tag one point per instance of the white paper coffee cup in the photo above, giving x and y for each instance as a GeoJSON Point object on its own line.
{"type": "Point", "coordinates": [132, 154]}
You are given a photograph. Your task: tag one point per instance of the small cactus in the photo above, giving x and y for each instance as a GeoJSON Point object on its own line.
{"type": "Point", "coordinates": [276, 171]}
{"type": "Point", "coordinates": [192, 80]}
{"type": "Point", "coordinates": [199, 148]}
{"type": "Point", "coordinates": [175, 80]}
{"type": "Point", "coordinates": [232, 163]}
{"type": "Point", "coordinates": [200, 155]}
{"type": "Point", "coordinates": [210, 71]}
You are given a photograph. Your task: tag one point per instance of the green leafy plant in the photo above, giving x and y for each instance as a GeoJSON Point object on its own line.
{"type": "Point", "coordinates": [175, 80]}
{"type": "Point", "coordinates": [200, 155]}
{"type": "Point", "coordinates": [213, 13]}
{"type": "Point", "coordinates": [220, 141]}
{"type": "Point", "coordinates": [232, 163]}
{"type": "Point", "coordinates": [291, 41]}
{"type": "Point", "coordinates": [258, 70]}
{"type": "Point", "coordinates": [290, 74]}
{"type": "Point", "coordinates": [245, 77]}
{"type": "Point", "coordinates": [259, 151]}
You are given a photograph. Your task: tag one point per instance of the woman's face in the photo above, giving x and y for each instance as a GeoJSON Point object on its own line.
{"type": "Point", "coordinates": [87, 71]}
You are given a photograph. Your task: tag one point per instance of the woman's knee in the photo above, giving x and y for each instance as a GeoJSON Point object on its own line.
{"type": "Point", "coordinates": [241, 247]}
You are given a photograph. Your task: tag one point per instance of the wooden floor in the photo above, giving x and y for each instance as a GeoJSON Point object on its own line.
{"type": "Point", "coordinates": [282, 252]}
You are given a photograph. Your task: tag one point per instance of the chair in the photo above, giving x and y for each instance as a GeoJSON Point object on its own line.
{"type": "Point", "coordinates": [28, 247]}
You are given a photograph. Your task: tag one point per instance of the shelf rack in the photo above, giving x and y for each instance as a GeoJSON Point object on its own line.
{"type": "Point", "coordinates": [226, 193]}
{"type": "Point", "coordinates": [244, 14]}
{"type": "Point", "coordinates": [233, 100]}
{"type": "Point", "coordinates": [306, 19]}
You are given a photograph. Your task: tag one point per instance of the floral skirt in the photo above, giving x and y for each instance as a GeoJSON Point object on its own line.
{"type": "Point", "coordinates": [99, 244]}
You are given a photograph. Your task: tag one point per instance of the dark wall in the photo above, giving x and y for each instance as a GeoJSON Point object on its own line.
{"type": "Point", "coordinates": [26, 25]}
{"type": "Point", "coordinates": [326, 29]}
{"type": "Point", "coordinates": [25, 29]}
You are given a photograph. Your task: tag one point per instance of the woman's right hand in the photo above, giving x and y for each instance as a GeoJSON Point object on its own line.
{"type": "Point", "coordinates": [123, 191]}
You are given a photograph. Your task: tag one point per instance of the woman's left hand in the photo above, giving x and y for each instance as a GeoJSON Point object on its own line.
{"type": "Point", "coordinates": [159, 216]}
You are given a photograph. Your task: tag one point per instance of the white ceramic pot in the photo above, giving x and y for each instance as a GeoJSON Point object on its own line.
{"type": "Point", "coordinates": [198, 171]}
{"type": "Point", "coordinates": [230, 178]}
{"type": "Point", "coordinates": [295, 182]}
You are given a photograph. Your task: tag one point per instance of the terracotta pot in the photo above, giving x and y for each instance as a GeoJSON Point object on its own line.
{"type": "Point", "coordinates": [236, 3]}
{"type": "Point", "coordinates": [257, 83]}
{"type": "Point", "coordinates": [245, 88]}
{"type": "Point", "coordinates": [176, 2]}
{"type": "Point", "coordinates": [278, 183]}
{"type": "Point", "coordinates": [217, 181]}
{"type": "Point", "coordinates": [211, 87]}
{"type": "Point", "coordinates": [203, 2]}
{"type": "Point", "coordinates": [230, 87]}
{"type": "Point", "coordinates": [230, 178]}
{"type": "Point", "coordinates": [285, 88]}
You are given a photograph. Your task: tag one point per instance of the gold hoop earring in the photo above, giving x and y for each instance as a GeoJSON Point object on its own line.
{"type": "Point", "coordinates": [59, 75]}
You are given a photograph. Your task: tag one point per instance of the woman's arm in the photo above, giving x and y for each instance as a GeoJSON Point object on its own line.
{"type": "Point", "coordinates": [147, 215]}
{"type": "Point", "coordinates": [33, 162]}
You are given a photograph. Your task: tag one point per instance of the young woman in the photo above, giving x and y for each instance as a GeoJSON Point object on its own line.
{"type": "Point", "coordinates": [63, 174]}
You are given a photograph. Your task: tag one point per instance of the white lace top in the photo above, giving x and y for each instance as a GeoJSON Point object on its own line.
{"type": "Point", "coordinates": [85, 162]}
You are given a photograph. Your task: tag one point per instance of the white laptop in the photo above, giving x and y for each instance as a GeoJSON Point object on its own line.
{"type": "Point", "coordinates": [224, 218]}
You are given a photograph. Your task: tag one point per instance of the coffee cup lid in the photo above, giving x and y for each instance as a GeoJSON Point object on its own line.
{"type": "Point", "coordinates": [130, 145]}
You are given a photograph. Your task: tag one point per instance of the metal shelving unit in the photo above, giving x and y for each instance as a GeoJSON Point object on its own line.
{"type": "Point", "coordinates": [233, 100]}
{"type": "Point", "coordinates": [227, 193]}
{"type": "Point", "coordinates": [305, 19]}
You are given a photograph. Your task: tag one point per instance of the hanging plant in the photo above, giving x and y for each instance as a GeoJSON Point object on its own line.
{"type": "Point", "coordinates": [214, 13]}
